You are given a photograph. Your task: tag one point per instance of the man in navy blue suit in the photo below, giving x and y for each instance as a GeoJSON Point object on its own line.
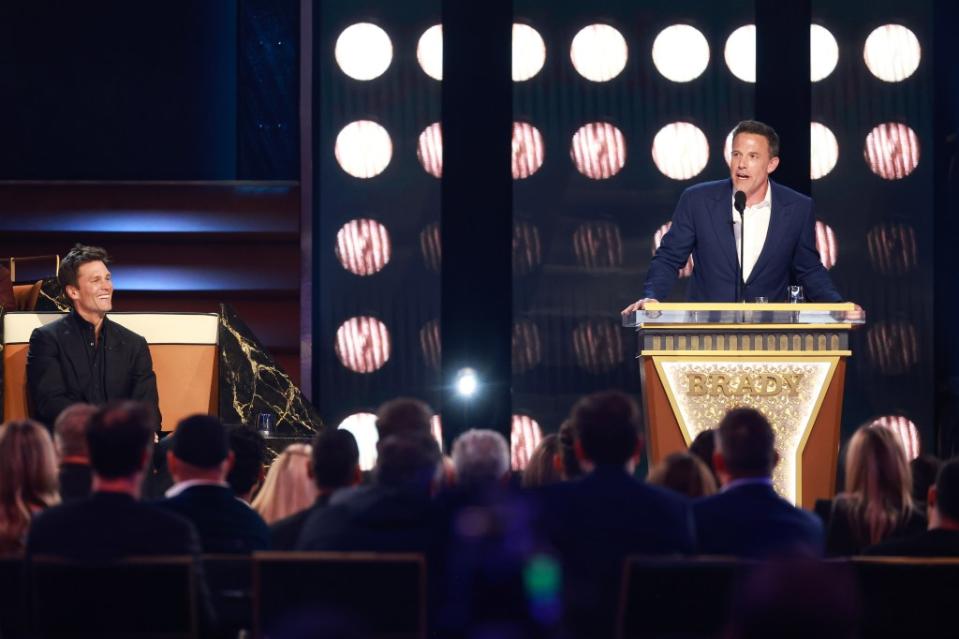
{"type": "Point", "coordinates": [780, 237]}
{"type": "Point", "coordinates": [747, 518]}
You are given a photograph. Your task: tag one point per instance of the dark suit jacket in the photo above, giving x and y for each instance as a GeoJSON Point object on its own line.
{"type": "Point", "coordinates": [285, 532]}
{"type": "Point", "coordinates": [751, 520]}
{"type": "Point", "coordinates": [842, 539]}
{"type": "Point", "coordinates": [931, 543]}
{"type": "Point", "coordinates": [75, 480]}
{"type": "Point", "coordinates": [58, 374]}
{"type": "Point", "coordinates": [702, 226]}
{"type": "Point", "coordinates": [225, 523]}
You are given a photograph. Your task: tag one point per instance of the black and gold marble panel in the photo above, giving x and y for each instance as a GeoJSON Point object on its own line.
{"type": "Point", "coordinates": [52, 298]}
{"type": "Point", "coordinates": [251, 382]}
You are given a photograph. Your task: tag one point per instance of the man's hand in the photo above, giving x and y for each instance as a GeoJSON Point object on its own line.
{"type": "Point", "coordinates": [638, 305]}
{"type": "Point", "coordinates": [857, 314]}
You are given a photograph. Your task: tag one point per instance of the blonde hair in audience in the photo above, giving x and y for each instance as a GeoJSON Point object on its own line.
{"type": "Point", "coordinates": [541, 468]}
{"type": "Point", "coordinates": [288, 487]}
{"type": "Point", "coordinates": [29, 479]}
{"type": "Point", "coordinates": [878, 483]}
{"type": "Point", "coordinates": [684, 473]}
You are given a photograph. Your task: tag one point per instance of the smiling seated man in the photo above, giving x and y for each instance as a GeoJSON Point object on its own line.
{"type": "Point", "coordinates": [84, 357]}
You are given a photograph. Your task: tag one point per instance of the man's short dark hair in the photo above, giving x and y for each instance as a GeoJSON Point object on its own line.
{"type": "Point", "coordinates": [118, 435]}
{"type": "Point", "coordinates": [746, 441]}
{"type": "Point", "coordinates": [79, 255]}
{"type": "Point", "coordinates": [760, 128]}
{"type": "Point", "coordinates": [608, 426]}
{"type": "Point", "coordinates": [924, 470]}
{"type": "Point", "coordinates": [947, 489]}
{"type": "Point", "coordinates": [405, 460]}
{"type": "Point", "coordinates": [335, 457]}
{"type": "Point", "coordinates": [249, 455]}
{"type": "Point", "coordinates": [403, 416]}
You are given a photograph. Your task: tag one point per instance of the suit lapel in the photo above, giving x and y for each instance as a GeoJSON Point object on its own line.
{"type": "Point", "coordinates": [113, 358]}
{"type": "Point", "coordinates": [71, 340]}
{"type": "Point", "coordinates": [774, 234]}
{"type": "Point", "coordinates": [720, 215]}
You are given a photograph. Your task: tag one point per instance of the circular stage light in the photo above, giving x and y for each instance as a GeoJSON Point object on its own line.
{"type": "Point", "coordinates": [680, 150]}
{"type": "Point", "coordinates": [527, 346]}
{"type": "Point", "coordinates": [893, 249]}
{"type": "Point", "coordinates": [525, 436]}
{"type": "Point", "coordinates": [599, 52]}
{"type": "Point", "coordinates": [598, 345]}
{"type": "Point", "coordinates": [363, 149]}
{"type": "Point", "coordinates": [527, 249]}
{"type": "Point", "coordinates": [892, 53]}
{"type": "Point", "coordinates": [466, 383]}
{"type": "Point", "coordinates": [826, 244]}
{"type": "Point", "coordinates": [598, 150]}
{"type": "Point", "coordinates": [823, 52]}
{"type": "Point", "coordinates": [598, 245]}
{"type": "Point", "coordinates": [363, 428]}
{"type": "Point", "coordinates": [363, 51]}
{"type": "Point", "coordinates": [429, 150]}
{"type": "Point", "coordinates": [904, 430]}
{"type": "Point", "coordinates": [529, 52]}
{"type": "Point", "coordinates": [528, 150]}
{"type": "Point", "coordinates": [681, 53]}
{"type": "Point", "coordinates": [740, 53]}
{"type": "Point", "coordinates": [429, 52]}
{"type": "Point", "coordinates": [823, 149]}
{"type": "Point", "coordinates": [686, 270]}
{"type": "Point", "coordinates": [363, 246]}
{"type": "Point", "coordinates": [362, 344]}
{"type": "Point", "coordinates": [892, 150]}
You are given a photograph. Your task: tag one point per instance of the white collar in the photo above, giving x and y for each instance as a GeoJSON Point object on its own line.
{"type": "Point", "coordinates": [767, 199]}
{"type": "Point", "coordinates": [747, 481]}
{"type": "Point", "coordinates": [176, 489]}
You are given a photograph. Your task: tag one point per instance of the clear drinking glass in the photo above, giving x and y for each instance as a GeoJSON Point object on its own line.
{"type": "Point", "coordinates": [760, 300]}
{"type": "Point", "coordinates": [266, 424]}
{"type": "Point", "coordinates": [794, 294]}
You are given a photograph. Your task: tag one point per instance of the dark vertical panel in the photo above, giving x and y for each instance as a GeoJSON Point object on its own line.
{"type": "Point", "coordinates": [307, 268]}
{"type": "Point", "coordinates": [476, 201]}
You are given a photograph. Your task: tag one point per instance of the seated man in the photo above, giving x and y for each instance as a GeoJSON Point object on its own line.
{"type": "Point", "coordinates": [942, 538]}
{"type": "Point", "coordinates": [335, 465]}
{"type": "Point", "coordinates": [747, 518]}
{"type": "Point", "coordinates": [112, 522]}
{"type": "Point", "coordinates": [199, 462]}
{"type": "Point", "coordinates": [249, 453]}
{"type": "Point", "coordinates": [84, 357]}
{"type": "Point", "coordinates": [70, 438]}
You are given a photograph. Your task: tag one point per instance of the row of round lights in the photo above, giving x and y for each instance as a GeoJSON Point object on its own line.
{"type": "Point", "coordinates": [599, 52]}
{"type": "Point", "coordinates": [598, 150]}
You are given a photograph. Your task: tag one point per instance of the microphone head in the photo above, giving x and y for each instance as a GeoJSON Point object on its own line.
{"type": "Point", "coordinates": [739, 201]}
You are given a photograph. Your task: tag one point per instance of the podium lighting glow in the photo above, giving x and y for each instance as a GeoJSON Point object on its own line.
{"type": "Point", "coordinates": [680, 150]}
{"type": "Point", "coordinates": [429, 52]}
{"type": "Point", "coordinates": [598, 150]}
{"type": "Point", "coordinates": [429, 150]}
{"type": "Point", "coordinates": [892, 53]}
{"type": "Point", "coordinates": [905, 430]}
{"type": "Point", "coordinates": [823, 150]}
{"type": "Point", "coordinates": [528, 151]}
{"type": "Point", "coordinates": [362, 344]}
{"type": "Point", "coordinates": [363, 428]}
{"type": "Point", "coordinates": [599, 52]}
{"type": "Point", "coordinates": [892, 150]}
{"type": "Point", "coordinates": [529, 52]}
{"type": "Point", "coordinates": [527, 346]}
{"type": "Point", "coordinates": [598, 245]}
{"type": "Point", "coordinates": [363, 51]}
{"type": "Point", "coordinates": [681, 53]}
{"type": "Point", "coordinates": [467, 383]}
{"type": "Point", "coordinates": [823, 52]}
{"type": "Point", "coordinates": [686, 270]}
{"type": "Point", "coordinates": [363, 149]}
{"type": "Point", "coordinates": [527, 248]}
{"type": "Point", "coordinates": [525, 436]}
{"type": "Point", "coordinates": [363, 246]}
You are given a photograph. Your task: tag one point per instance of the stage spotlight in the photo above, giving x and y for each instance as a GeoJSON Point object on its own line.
{"type": "Point", "coordinates": [528, 150]}
{"type": "Point", "coordinates": [525, 436]}
{"type": "Point", "coordinates": [680, 150]}
{"type": "Point", "coordinates": [740, 53]}
{"type": "Point", "coordinates": [686, 270]}
{"type": "Point", "coordinates": [527, 346]}
{"type": "Point", "coordinates": [598, 150]}
{"type": "Point", "coordinates": [823, 52]}
{"type": "Point", "coordinates": [467, 383]}
{"type": "Point", "coordinates": [363, 51]}
{"type": "Point", "coordinates": [681, 53]}
{"type": "Point", "coordinates": [430, 343]}
{"type": "Point", "coordinates": [599, 52]}
{"type": "Point", "coordinates": [826, 245]}
{"type": "Point", "coordinates": [905, 430]}
{"type": "Point", "coordinates": [893, 346]}
{"type": "Point", "coordinates": [892, 150]}
{"type": "Point", "coordinates": [598, 245]}
{"type": "Point", "coordinates": [429, 150]}
{"type": "Point", "coordinates": [363, 246]}
{"type": "Point", "coordinates": [429, 52]}
{"type": "Point", "coordinates": [529, 52]}
{"type": "Point", "coordinates": [823, 149]}
{"type": "Point", "coordinates": [363, 428]}
{"type": "Point", "coordinates": [893, 249]}
{"type": "Point", "coordinates": [431, 246]}
{"type": "Point", "coordinates": [527, 249]}
{"type": "Point", "coordinates": [598, 345]}
{"type": "Point", "coordinates": [362, 344]}
{"type": "Point", "coordinates": [892, 53]}
{"type": "Point", "coordinates": [363, 149]}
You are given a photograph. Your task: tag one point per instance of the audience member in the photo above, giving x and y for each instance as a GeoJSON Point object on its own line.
{"type": "Point", "coordinates": [404, 416]}
{"type": "Point", "coordinates": [923, 469]}
{"type": "Point", "coordinates": [545, 463]}
{"type": "Point", "coordinates": [747, 518]}
{"type": "Point", "coordinates": [28, 480]}
{"type": "Point", "coordinates": [335, 464]}
{"type": "Point", "coordinates": [685, 474]}
{"type": "Point", "coordinates": [112, 522]}
{"type": "Point", "coordinates": [942, 537]}
{"type": "Point", "coordinates": [569, 466]}
{"type": "Point", "coordinates": [703, 447]}
{"type": "Point", "coordinates": [70, 438]}
{"type": "Point", "coordinates": [199, 462]}
{"type": "Point", "coordinates": [480, 457]}
{"type": "Point", "coordinates": [877, 502]}
{"type": "Point", "coordinates": [289, 487]}
{"type": "Point", "coordinates": [598, 520]}
{"type": "Point", "coordinates": [392, 513]}
{"type": "Point", "coordinates": [249, 453]}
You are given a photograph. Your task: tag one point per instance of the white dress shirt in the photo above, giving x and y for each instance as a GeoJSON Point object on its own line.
{"type": "Point", "coordinates": [757, 224]}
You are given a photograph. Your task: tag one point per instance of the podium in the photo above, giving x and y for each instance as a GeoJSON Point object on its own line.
{"type": "Point", "coordinates": [697, 361]}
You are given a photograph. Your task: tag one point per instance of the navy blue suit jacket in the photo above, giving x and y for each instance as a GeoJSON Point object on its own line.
{"type": "Point", "coordinates": [225, 523]}
{"type": "Point", "coordinates": [702, 226]}
{"type": "Point", "coordinates": [751, 520]}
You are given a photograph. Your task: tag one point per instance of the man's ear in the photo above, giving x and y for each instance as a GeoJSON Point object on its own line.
{"type": "Point", "coordinates": [558, 463]}
{"type": "Point", "coordinates": [932, 496]}
{"type": "Point", "coordinates": [228, 463]}
{"type": "Point", "coordinates": [357, 475]}
{"type": "Point", "coordinates": [578, 449]}
{"type": "Point", "coordinates": [773, 163]}
{"type": "Point", "coordinates": [72, 291]}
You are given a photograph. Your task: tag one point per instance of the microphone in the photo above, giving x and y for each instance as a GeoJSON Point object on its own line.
{"type": "Point", "coordinates": [739, 203]}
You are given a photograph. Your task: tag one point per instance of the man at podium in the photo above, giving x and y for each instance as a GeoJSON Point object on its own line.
{"type": "Point", "coordinates": [778, 247]}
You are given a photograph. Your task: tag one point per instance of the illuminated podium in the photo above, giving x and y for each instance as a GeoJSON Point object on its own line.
{"type": "Point", "coordinates": [787, 360]}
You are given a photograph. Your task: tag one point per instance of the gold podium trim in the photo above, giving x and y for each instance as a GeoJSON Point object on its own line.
{"type": "Point", "coordinates": [766, 354]}
{"type": "Point", "coordinates": [739, 306]}
{"type": "Point", "coordinates": [759, 357]}
{"type": "Point", "coordinates": [745, 327]}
